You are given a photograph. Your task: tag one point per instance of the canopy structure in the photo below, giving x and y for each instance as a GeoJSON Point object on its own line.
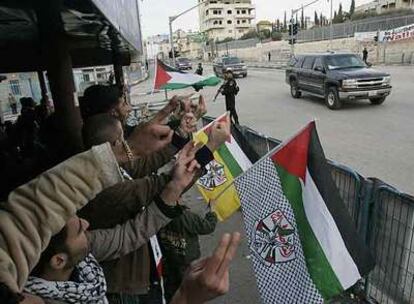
{"type": "Point", "coordinates": [59, 35]}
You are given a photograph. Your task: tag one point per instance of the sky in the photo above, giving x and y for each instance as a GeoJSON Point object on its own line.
{"type": "Point", "coordinates": [154, 13]}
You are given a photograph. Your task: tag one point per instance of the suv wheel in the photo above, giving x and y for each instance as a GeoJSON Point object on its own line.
{"type": "Point", "coordinates": [377, 101]}
{"type": "Point", "coordinates": [294, 90]}
{"type": "Point", "coordinates": [332, 99]}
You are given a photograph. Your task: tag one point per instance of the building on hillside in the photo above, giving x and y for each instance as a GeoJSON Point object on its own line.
{"type": "Point", "coordinates": [153, 44]}
{"type": "Point", "coordinates": [264, 25]}
{"type": "Point", "coordinates": [383, 6]}
{"type": "Point", "coordinates": [221, 19]}
{"type": "Point", "coordinates": [191, 46]}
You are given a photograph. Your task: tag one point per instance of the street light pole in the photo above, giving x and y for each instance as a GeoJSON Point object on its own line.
{"type": "Point", "coordinates": [171, 19]}
{"type": "Point", "coordinates": [331, 27]}
{"type": "Point", "coordinates": [292, 20]}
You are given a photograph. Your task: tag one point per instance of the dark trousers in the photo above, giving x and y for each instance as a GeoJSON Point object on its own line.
{"type": "Point", "coordinates": [231, 107]}
{"type": "Point", "coordinates": [14, 108]}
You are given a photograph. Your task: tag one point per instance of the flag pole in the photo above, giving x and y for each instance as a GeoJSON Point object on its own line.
{"type": "Point", "coordinates": [274, 150]}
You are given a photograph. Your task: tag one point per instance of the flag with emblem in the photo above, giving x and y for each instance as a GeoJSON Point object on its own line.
{"type": "Point", "coordinates": [170, 78]}
{"type": "Point", "coordinates": [304, 246]}
{"type": "Point", "coordinates": [229, 162]}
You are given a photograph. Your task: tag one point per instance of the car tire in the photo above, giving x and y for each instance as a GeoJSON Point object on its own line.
{"type": "Point", "coordinates": [294, 90]}
{"type": "Point", "coordinates": [332, 99]}
{"type": "Point", "coordinates": [377, 101]}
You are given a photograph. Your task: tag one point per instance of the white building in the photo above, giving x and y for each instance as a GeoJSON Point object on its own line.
{"type": "Point", "coordinates": [221, 19]}
{"type": "Point", "coordinates": [382, 6]}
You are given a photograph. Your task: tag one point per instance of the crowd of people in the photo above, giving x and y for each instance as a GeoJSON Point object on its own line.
{"type": "Point", "coordinates": [108, 225]}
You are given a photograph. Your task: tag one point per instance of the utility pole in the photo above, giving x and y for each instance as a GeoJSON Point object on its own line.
{"type": "Point", "coordinates": [331, 27]}
{"type": "Point", "coordinates": [292, 21]}
{"type": "Point", "coordinates": [171, 19]}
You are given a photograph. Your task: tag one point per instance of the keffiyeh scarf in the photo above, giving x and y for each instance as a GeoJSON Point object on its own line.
{"type": "Point", "coordinates": [88, 286]}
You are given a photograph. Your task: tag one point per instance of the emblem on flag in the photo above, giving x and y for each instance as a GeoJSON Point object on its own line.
{"type": "Point", "coordinates": [273, 239]}
{"type": "Point", "coordinates": [214, 177]}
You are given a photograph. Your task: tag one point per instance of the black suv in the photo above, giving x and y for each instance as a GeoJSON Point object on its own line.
{"type": "Point", "coordinates": [223, 64]}
{"type": "Point", "coordinates": [337, 78]}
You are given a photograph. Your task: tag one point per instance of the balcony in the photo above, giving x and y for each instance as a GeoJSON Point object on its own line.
{"type": "Point", "coordinates": [245, 16]}
{"type": "Point", "coordinates": [244, 6]}
{"type": "Point", "coordinates": [213, 17]}
{"type": "Point", "coordinates": [243, 25]}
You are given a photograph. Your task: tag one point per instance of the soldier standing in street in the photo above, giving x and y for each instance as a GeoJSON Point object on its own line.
{"type": "Point", "coordinates": [230, 89]}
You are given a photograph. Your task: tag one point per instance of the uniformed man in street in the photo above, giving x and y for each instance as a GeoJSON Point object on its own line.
{"type": "Point", "coordinates": [230, 89]}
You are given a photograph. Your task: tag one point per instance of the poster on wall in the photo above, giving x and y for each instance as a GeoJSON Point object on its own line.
{"type": "Point", "coordinates": [400, 33]}
{"type": "Point", "coordinates": [365, 36]}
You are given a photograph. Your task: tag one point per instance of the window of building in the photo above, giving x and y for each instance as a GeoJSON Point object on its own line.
{"type": "Point", "coordinates": [241, 31]}
{"type": "Point", "coordinates": [220, 22]}
{"type": "Point", "coordinates": [229, 12]}
{"type": "Point", "coordinates": [238, 12]}
{"type": "Point", "coordinates": [243, 11]}
{"type": "Point", "coordinates": [238, 21]}
{"type": "Point", "coordinates": [15, 87]}
{"type": "Point", "coordinates": [243, 21]}
{"type": "Point", "coordinates": [229, 22]}
{"type": "Point", "coordinates": [219, 12]}
{"type": "Point", "coordinates": [214, 12]}
{"type": "Point", "coordinates": [206, 12]}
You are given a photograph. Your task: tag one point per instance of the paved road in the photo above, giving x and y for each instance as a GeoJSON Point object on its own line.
{"type": "Point", "coordinates": [375, 141]}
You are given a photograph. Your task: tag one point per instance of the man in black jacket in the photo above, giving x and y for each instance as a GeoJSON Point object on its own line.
{"type": "Point", "coordinates": [230, 89]}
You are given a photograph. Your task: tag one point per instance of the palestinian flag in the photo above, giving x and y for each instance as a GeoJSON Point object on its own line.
{"type": "Point", "coordinates": [304, 244]}
{"type": "Point", "coordinates": [229, 162]}
{"type": "Point", "coordinates": [169, 78]}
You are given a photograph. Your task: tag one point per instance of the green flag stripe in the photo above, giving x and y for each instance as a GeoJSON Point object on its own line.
{"type": "Point", "coordinates": [318, 266]}
{"type": "Point", "coordinates": [231, 163]}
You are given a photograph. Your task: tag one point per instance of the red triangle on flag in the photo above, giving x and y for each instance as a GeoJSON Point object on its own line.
{"type": "Point", "coordinates": [161, 76]}
{"type": "Point", "coordinates": [293, 156]}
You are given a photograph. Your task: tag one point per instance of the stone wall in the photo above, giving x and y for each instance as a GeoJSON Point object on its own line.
{"type": "Point", "coordinates": [391, 53]}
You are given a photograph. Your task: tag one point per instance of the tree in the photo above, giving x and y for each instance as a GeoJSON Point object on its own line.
{"type": "Point", "coordinates": [278, 25]}
{"type": "Point", "coordinates": [277, 36]}
{"type": "Point", "coordinates": [250, 34]}
{"type": "Point", "coordinates": [285, 22]}
{"type": "Point", "coordinates": [352, 9]}
{"type": "Point", "coordinates": [340, 17]}
{"type": "Point", "coordinates": [321, 20]}
{"type": "Point", "coordinates": [316, 19]}
{"type": "Point", "coordinates": [302, 20]}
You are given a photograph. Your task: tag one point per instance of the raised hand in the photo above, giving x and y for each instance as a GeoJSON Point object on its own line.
{"type": "Point", "coordinates": [208, 278]}
{"type": "Point", "coordinates": [184, 172]}
{"type": "Point", "coordinates": [188, 125]}
{"type": "Point", "coordinates": [219, 134]}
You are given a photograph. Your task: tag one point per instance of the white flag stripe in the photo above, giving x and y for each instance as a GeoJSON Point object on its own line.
{"type": "Point", "coordinates": [238, 154]}
{"type": "Point", "coordinates": [186, 78]}
{"type": "Point", "coordinates": [328, 235]}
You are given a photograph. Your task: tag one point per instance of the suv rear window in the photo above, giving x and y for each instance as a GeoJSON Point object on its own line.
{"type": "Point", "coordinates": [308, 63]}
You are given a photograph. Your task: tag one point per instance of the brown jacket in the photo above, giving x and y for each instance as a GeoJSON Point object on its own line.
{"type": "Point", "coordinates": [115, 205]}
{"type": "Point", "coordinates": [40, 208]}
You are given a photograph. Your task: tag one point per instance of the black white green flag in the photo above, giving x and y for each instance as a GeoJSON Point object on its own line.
{"type": "Point", "coordinates": [305, 247]}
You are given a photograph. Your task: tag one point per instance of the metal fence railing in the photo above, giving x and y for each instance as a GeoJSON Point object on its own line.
{"type": "Point", "coordinates": [382, 215]}
{"type": "Point", "coordinates": [348, 29]}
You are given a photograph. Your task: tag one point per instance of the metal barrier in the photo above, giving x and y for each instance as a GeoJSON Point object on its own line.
{"type": "Point", "coordinates": [382, 215]}
{"type": "Point", "coordinates": [348, 29]}
{"type": "Point", "coordinates": [390, 235]}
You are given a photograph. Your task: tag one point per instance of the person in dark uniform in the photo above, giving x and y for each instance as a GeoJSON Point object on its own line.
{"type": "Point", "coordinates": [365, 55]}
{"type": "Point", "coordinates": [230, 89]}
{"type": "Point", "coordinates": [200, 69]}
